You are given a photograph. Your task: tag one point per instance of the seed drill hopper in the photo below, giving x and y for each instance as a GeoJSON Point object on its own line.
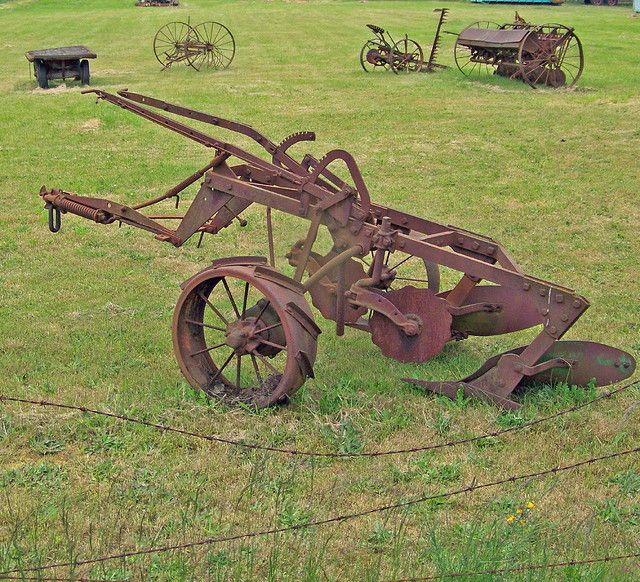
{"type": "Point", "coordinates": [243, 329]}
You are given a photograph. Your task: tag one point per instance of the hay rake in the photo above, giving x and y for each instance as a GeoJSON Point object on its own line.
{"type": "Point", "coordinates": [243, 331]}
{"type": "Point", "coordinates": [208, 44]}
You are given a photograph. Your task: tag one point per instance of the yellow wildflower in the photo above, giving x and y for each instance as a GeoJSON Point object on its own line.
{"type": "Point", "coordinates": [511, 519]}
{"type": "Point", "coordinates": [518, 511]}
{"type": "Point", "coordinates": [530, 505]}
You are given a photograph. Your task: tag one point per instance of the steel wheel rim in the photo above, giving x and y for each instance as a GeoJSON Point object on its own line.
{"type": "Point", "coordinates": [412, 64]}
{"type": "Point", "coordinates": [374, 44]}
{"type": "Point", "coordinates": [564, 62]}
{"type": "Point", "coordinates": [220, 44]}
{"type": "Point", "coordinates": [198, 329]}
{"type": "Point", "coordinates": [168, 39]}
{"type": "Point", "coordinates": [462, 54]}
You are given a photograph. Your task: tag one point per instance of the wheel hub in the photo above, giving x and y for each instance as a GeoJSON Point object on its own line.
{"type": "Point", "coordinates": [241, 335]}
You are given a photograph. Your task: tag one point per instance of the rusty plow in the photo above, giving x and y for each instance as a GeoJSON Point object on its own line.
{"type": "Point", "coordinates": [243, 328]}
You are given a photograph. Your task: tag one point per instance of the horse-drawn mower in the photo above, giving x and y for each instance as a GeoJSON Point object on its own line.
{"type": "Point", "coordinates": [243, 330]}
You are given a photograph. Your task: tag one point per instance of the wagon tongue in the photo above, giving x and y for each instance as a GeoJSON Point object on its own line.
{"type": "Point", "coordinates": [574, 362]}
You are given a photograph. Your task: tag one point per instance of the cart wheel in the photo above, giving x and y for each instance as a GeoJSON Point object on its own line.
{"type": "Point", "coordinates": [375, 56]}
{"type": "Point", "coordinates": [172, 43]}
{"type": "Point", "coordinates": [596, 2]}
{"type": "Point", "coordinates": [243, 337]}
{"type": "Point", "coordinates": [551, 55]}
{"type": "Point", "coordinates": [406, 56]}
{"type": "Point", "coordinates": [41, 74]}
{"type": "Point", "coordinates": [612, 2]}
{"type": "Point", "coordinates": [84, 72]}
{"type": "Point", "coordinates": [219, 46]}
{"type": "Point", "coordinates": [470, 62]}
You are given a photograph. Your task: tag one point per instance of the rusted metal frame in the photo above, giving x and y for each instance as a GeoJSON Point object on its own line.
{"type": "Point", "coordinates": [558, 307]}
{"type": "Point", "coordinates": [253, 193]}
{"type": "Point", "coordinates": [356, 175]}
{"type": "Point", "coordinates": [312, 234]}
{"type": "Point", "coordinates": [324, 270]}
{"type": "Point", "coordinates": [209, 141]}
{"type": "Point", "coordinates": [110, 211]}
{"type": "Point", "coordinates": [272, 254]}
{"type": "Point", "coordinates": [235, 126]}
{"type": "Point", "coordinates": [185, 183]}
{"type": "Point", "coordinates": [477, 268]}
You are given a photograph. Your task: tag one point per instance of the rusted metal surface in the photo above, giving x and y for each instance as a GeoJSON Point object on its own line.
{"type": "Point", "coordinates": [208, 44]}
{"type": "Point", "coordinates": [66, 62]}
{"type": "Point", "coordinates": [243, 331]}
{"type": "Point", "coordinates": [383, 52]}
{"type": "Point", "coordinates": [539, 55]}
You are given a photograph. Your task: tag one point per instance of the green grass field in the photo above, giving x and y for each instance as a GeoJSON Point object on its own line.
{"type": "Point", "coordinates": [85, 315]}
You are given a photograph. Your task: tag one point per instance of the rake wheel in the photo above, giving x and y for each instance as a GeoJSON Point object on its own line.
{"type": "Point", "coordinates": [217, 45]}
{"type": "Point", "coordinates": [242, 337]}
{"type": "Point", "coordinates": [170, 41]}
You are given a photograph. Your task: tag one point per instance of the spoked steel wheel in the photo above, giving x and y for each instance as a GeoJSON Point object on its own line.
{"type": "Point", "coordinates": [551, 55]}
{"type": "Point", "coordinates": [170, 42]}
{"type": "Point", "coordinates": [474, 63]}
{"type": "Point", "coordinates": [402, 269]}
{"type": "Point", "coordinates": [406, 56]}
{"type": "Point", "coordinates": [217, 46]}
{"type": "Point", "coordinates": [243, 337]}
{"type": "Point", "coordinates": [375, 56]}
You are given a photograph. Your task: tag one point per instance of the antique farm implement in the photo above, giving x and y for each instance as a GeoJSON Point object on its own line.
{"type": "Point", "coordinates": [548, 54]}
{"type": "Point", "coordinates": [209, 44]}
{"type": "Point", "coordinates": [403, 56]}
{"type": "Point", "coordinates": [243, 329]}
{"type": "Point", "coordinates": [66, 62]}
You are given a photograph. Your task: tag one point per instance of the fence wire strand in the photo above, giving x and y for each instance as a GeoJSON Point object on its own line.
{"type": "Point", "coordinates": [306, 453]}
{"type": "Point", "coordinates": [522, 568]}
{"type": "Point", "coordinates": [330, 520]}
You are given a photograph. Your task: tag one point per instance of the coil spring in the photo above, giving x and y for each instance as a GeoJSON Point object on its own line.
{"type": "Point", "coordinates": [79, 209]}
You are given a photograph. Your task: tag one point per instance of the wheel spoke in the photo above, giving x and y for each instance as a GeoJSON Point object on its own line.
{"type": "Point", "coordinates": [233, 303]}
{"type": "Point", "coordinates": [201, 324]}
{"type": "Point", "coordinates": [221, 368]}
{"type": "Point", "coordinates": [272, 344]}
{"type": "Point", "coordinates": [244, 299]}
{"type": "Point", "coordinates": [256, 369]}
{"type": "Point", "coordinates": [266, 362]}
{"type": "Point", "coordinates": [263, 329]}
{"type": "Point", "coordinates": [208, 349]}
{"type": "Point", "coordinates": [213, 308]}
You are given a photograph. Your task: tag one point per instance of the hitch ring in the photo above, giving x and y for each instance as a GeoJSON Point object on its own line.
{"type": "Point", "coordinates": [55, 220]}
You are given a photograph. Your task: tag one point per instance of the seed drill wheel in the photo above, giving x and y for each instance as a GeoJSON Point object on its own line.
{"type": "Point", "coordinates": [406, 56]}
{"type": "Point", "coordinates": [244, 333]}
{"type": "Point", "coordinates": [375, 56]}
{"type": "Point", "coordinates": [551, 55]}
{"type": "Point", "coordinates": [470, 64]}
{"type": "Point", "coordinates": [217, 46]}
{"type": "Point", "coordinates": [170, 42]}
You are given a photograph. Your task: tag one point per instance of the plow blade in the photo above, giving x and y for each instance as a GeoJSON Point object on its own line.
{"type": "Point", "coordinates": [573, 362]}
{"type": "Point", "coordinates": [508, 312]}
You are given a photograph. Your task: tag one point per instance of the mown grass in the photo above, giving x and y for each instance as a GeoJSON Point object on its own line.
{"type": "Point", "coordinates": [85, 315]}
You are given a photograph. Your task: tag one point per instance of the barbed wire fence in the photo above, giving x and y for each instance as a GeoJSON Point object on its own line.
{"type": "Point", "coordinates": [306, 453]}
{"type": "Point", "coordinates": [521, 569]}
{"type": "Point", "coordinates": [326, 521]}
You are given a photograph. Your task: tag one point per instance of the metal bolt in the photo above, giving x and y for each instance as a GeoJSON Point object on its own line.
{"type": "Point", "coordinates": [476, 245]}
{"type": "Point", "coordinates": [526, 286]}
{"type": "Point", "coordinates": [553, 329]}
